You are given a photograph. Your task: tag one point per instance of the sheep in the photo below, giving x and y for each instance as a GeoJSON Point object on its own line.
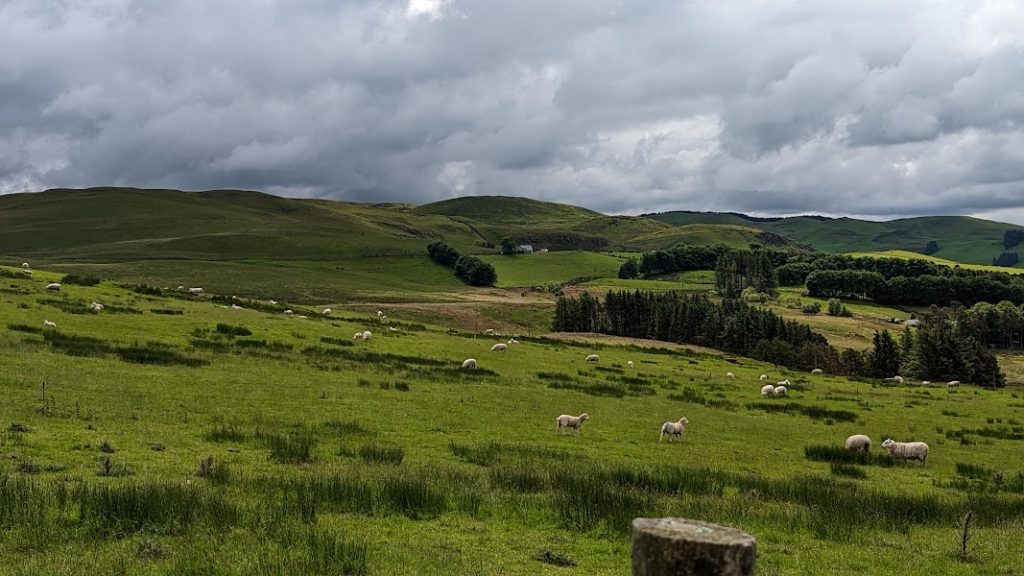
{"type": "Point", "coordinates": [326, 312]}
{"type": "Point", "coordinates": [898, 379]}
{"type": "Point", "coordinates": [469, 364]}
{"type": "Point", "coordinates": [380, 313]}
{"type": "Point", "coordinates": [49, 324]}
{"type": "Point", "coordinates": [272, 302]}
{"type": "Point", "coordinates": [181, 288]}
{"type": "Point", "coordinates": [673, 429]}
{"type": "Point", "coordinates": [592, 358]}
{"type": "Point", "coordinates": [780, 390]}
{"type": "Point", "coordinates": [953, 385]}
{"type": "Point", "coordinates": [763, 377]}
{"type": "Point", "coordinates": [767, 390]}
{"type": "Point", "coordinates": [566, 421]}
{"type": "Point", "coordinates": [195, 292]}
{"type": "Point", "coordinates": [25, 266]}
{"type": "Point", "coordinates": [236, 307]}
{"type": "Point", "coordinates": [367, 335]}
{"type": "Point", "coordinates": [629, 363]}
{"type": "Point", "coordinates": [925, 383]}
{"type": "Point", "coordinates": [730, 375]}
{"type": "Point", "coordinates": [817, 371]}
{"type": "Point", "coordinates": [858, 443]}
{"type": "Point", "coordinates": [357, 336]}
{"type": "Point", "coordinates": [906, 450]}
{"type": "Point", "coordinates": [384, 319]}
{"type": "Point", "coordinates": [489, 332]}
{"type": "Point", "coordinates": [499, 347]}
{"type": "Point", "coordinates": [289, 312]}
{"type": "Point", "coordinates": [513, 341]}
{"type": "Point", "coordinates": [96, 306]}
{"type": "Point", "coordinates": [53, 287]}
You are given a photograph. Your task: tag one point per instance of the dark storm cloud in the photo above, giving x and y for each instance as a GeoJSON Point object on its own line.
{"type": "Point", "coordinates": [871, 108]}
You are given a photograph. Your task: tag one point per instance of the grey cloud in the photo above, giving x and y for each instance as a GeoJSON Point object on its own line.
{"type": "Point", "coordinates": [869, 108]}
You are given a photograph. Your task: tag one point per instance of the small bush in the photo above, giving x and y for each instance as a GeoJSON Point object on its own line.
{"type": "Point", "coordinates": [811, 308]}
{"type": "Point", "coordinates": [106, 447]}
{"type": "Point", "coordinates": [290, 448]}
{"type": "Point", "coordinates": [229, 330]}
{"type": "Point", "coordinates": [76, 280]}
{"type": "Point", "coordinates": [375, 454]}
{"type": "Point", "coordinates": [109, 468]}
{"type": "Point", "coordinates": [839, 454]}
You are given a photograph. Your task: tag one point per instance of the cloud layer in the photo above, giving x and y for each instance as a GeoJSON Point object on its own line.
{"type": "Point", "coordinates": [871, 108]}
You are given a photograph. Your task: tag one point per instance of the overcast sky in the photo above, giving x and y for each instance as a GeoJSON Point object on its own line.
{"type": "Point", "coordinates": [871, 107]}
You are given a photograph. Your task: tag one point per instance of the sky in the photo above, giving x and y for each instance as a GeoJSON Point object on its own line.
{"type": "Point", "coordinates": [871, 108]}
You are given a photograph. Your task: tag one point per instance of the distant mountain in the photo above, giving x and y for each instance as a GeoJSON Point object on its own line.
{"type": "Point", "coordinates": [960, 238]}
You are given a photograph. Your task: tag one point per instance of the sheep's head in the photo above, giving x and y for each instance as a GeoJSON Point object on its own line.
{"type": "Point", "coordinates": [584, 416]}
{"type": "Point", "coordinates": [684, 421]}
{"type": "Point", "coordinates": [888, 442]}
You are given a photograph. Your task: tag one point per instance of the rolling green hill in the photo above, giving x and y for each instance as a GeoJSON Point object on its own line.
{"type": "Point", "coordinates": [960, 238]}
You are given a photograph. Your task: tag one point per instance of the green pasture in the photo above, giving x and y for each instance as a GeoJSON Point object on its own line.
{"type": "Point", "coordinates": [334, 455]}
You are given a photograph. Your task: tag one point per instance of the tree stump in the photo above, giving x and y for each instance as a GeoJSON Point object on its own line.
{"type": "Point", "coordinates": [679, 547]}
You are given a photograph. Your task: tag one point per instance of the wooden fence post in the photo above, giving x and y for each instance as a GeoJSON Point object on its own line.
{"type": "Point", "coordinates": [678, 547]}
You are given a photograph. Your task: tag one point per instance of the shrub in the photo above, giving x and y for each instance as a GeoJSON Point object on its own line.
{"type": "Point", "coordinates": [290, 448]}
{"type": "Point", "coordinates": [811, 308]}
{"type": "Point", "coordinates": [229, 330]}
{"type": "Point", "coordinates": [76, 280]}
{"type": "Point", "coordinates": [375, 454]}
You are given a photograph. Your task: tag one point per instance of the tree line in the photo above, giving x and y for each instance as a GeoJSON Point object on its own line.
{"type": "Point", "coordinates": [469, 269]}
{"type": "Point", "coordinates": [942, 349]}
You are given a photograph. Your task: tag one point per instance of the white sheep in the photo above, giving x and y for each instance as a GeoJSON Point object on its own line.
{"type": "Point", "coordinates": [25, 266]}
{"type": "Point", "coordinates": [898, 379]}
{"type": "Point", "coordinates": [469, 364]}
{"type": "Point", "coordinates": [367, 335]}
{"type": "Point", "coordinates": [49, 324]}
{"type": "Point", "coordinates": [195, 292]}
{"type": "Point", "coordinates": [357, 336]}
{"type": "Point", "coordinates": [767, 390]}
{"type": "Point", "coordinates": [817, 371]}
{"type": "Point", "coordinates": [499, 347]}
{"type": "Point", "coordinates": [673, 429]}
{"type": "Point", "coordinates": [380, 313]}
{"type": "Point", "coordinates": [906, 450]}
{"type": "Point", "coordinates": [953, 385]}
{"type": "Point", "coordinates": [780, 390]}
{"type": "Point", "coordinates": [629, 363]}
{"type": "Point", "coordinates": [384, 319]}
{"type": "Point", "coordinates": [592, 358]}
{"type": "Point", "coordinates": [763, 377]}
{"type": "Point", "coordinates": [289, 312]}
{"type": "Point", "coordinates": [513, 341]}
{"type": "Point", "coordinates": [730, 375]}
{"type": "Point", "coordinates": [566, 421]}
{"type": "Point", "coordinates": [925, 383]}
{"type": "Point", "coordinates": [96, 306]}
{"type": "Point", "coordinates": [236, 307]}
{"type": "Point", "coordinates": [272, 302]}
{"type": "Point", "coordinates": [181, 288]}
{"type": "Point", "coordinates": [489, 332]}
{"type": "Point", "coordinates": [53, 287]}
{"type": "Point", "coordinates": [858, 443]}
{"type": "Point", "coordinates": [326, 312]}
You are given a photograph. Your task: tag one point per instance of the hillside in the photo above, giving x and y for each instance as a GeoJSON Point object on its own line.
{"type": "Point", "coordinates": [960, 238]}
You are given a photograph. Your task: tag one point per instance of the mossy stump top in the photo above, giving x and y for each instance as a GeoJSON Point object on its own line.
{"type": "Point", "coordinates": [679, 547]}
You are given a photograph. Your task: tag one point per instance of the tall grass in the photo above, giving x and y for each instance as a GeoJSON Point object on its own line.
{"type": "Point", "coordinates": [377, 454]}
{"type": "Point", "coordinates": [290, 448]}
{"type": "Point", "coordinates": [828, 453]}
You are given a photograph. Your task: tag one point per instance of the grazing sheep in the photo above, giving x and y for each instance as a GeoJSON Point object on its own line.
{"type": "Point", "coordinates": [384, 319]}
{"type": "Point", "coordinates": [367, 335]}
{"type": "Point", "coordinates": [95, 306]}
{"type": "Point", "coordinates": [289, 312]}
{"type": "Point", "coordinates": [817, 371]}
{"type": "Point", "coordinates": [953, 385]}
{"type": "Point", "coordinates": [767, 390]}
{"type": "Point", "coordinates": [858, 443]}
{"type": "Point", "coordinates": [925, 383]}
{"type": "Point", "coordinates": [357, 336]}
{"type": "Point", "coordinates": [272, 302]}
{"type": "Point", "coordinates": [673, 429]}
{"type": "Point", "coordinates": [906, 450]}
{"type": "Point", "coordinates": [730, 375]}
{"type": "Point", "coordinates": [53, 287]}
{"type": "Point", "coordinates": [780, 391]}
{"type": "Point", "coordinates": [499, 347]}
{"type": "Point", "coordinates": [49, 324]}
{"type": "Point", "coordinates": [489, 332]}
{"type": "Point", "coordinates": [763, 377]}
{"type": "Point", "coordinates": [592, 358]}
{"type": "Point", "coordinates": [195, 292]}
{"type": "Point", "coordinates": [25, 266]}
{"type": "Point", "coordinates": [469, 364]}
{"type": "Point", "coordinates": [181, 288]}
{"type": "Point", "coordinates": [897, 379]}
{"type": "Point", "coordinates": [326, 312]}
{"type": "Point", "coordinates": [566, 421]}
{"type": "Point", "coordinates": [629, 363]}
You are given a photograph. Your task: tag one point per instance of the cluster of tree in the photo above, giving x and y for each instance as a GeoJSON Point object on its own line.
{"type": "Point", "coordinates": [687, 257]}
{"type": "Point", "coordinates": [930, 248]}
{"type": "Point", "coordinates": [1006, 259]}
{"type": "Point", "coordinates": [1012, 237]}
{"type": "Point", "coordinates": [799, 267]}
{"type": "Point", "coordinates": [942, 349]}
{"type": "Point", "coordinates": [731, 325]}
{"type": "Point", "coordinates": [914, 291]}
{"type": "Point", "coordinates": [737, 270]}
{"type": "Point", "coordinates": [469, 269]}
{"type": "Point", "coordinates": [998, 326]}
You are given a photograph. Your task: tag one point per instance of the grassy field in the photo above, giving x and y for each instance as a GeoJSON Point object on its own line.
{"type": "Point", "coordinates": [166, 435]}
{"type": "Point", "coordinates": [552, 267]}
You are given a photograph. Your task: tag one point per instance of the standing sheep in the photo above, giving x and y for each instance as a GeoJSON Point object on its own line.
{"type": "Point", "coordinates": [817, 371]}
{"type": "Point", "coordinates": [499, 347]}
{"type": "Point", "coordinates": [367, 335]}
{"type": "Point", "coordinates": [763, 377]}
{"type": "Point", "coordinates": [629, 363]}
{"type": "Point", "coordinates": [49, 324]}
{"type": "Point", "coordinates": [25, 266]}
{"type": "Point", "coordinates": [326, 312]}
{"type": "Point", "coordinates": [195, 292]}
{"type": "Point", "coordinates": [780, 390]}
{"type": "Point", "coordinates": [469, 364]}
{"type": "Point", "coordinates": [767, 390]}
{"type": "Point", "coordinates": [953, 385]}
{"type": "Point", "coordinates": [858, 443]}
{"type": "Point", "coordinates": [53, 287]}
{"type": "Point", "coordinates": [673, 429]}
{"type": "Point", "coordinates": [730, 375]}
{"type": "Point", "coordinates": [565, 421]}
{"type": "Point", "coordinates": [906, 450]}
{"type": "Point", "coordinates": [289, 312]}
{"type": "Point", "coordinates": [95, 306]}
{"type": "Point", "coordinates": [592, 358]}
